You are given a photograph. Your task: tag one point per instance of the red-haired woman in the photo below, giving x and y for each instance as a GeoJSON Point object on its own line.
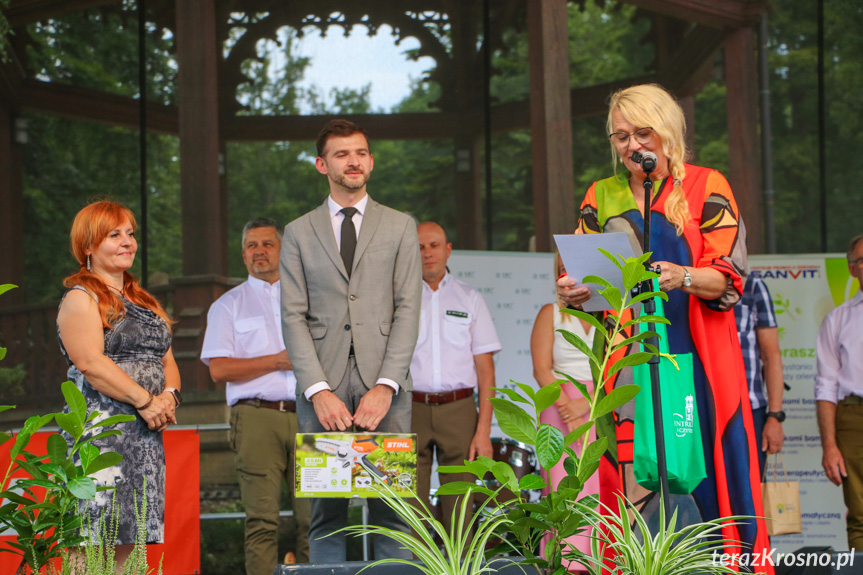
{"type": "Point", "coordinates": [117, 340]}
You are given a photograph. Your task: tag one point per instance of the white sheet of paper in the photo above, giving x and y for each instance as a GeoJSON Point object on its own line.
{"type": "Point", "coordinates": [581, 257]}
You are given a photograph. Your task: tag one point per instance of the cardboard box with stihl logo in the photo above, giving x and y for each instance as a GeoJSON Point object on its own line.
{"type": "Point", "coordinates": [347, 464]}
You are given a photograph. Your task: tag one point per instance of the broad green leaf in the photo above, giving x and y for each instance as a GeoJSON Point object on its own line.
{"type": "Point", "coordinates": [645, 319]}
{"type": "Point", "coordinates": [632, 274]}
{"type": "Point", "coordinates": [82, 487]}
{"type": "Point", "coordinates": [7, 407]}
{"type": "Point", "coordinates": [479, 467]}
{"type": "Point", "coordinates": [21, 441]}
{"type": "Point", "coordinates": [578, 385]}
{"type": "Point", "coordinates": [629, 360]}
{"type": "Point", "coordinates": [516, 427]}
{"type": "Point", "coordinates": [56, 447]}
{"type": "Point", "coordinates": [534, 508]}
{"type": "Point", "coordinates": [531, 481]}
{"type": "Point", "coordinates": [549, 445]}
{"type": "Point", "coordinates": [4, 437]}
{"type": "Point", "coordinates": [88, 454]}
{"type": "Point", "coordinates": [108, 433]}
{"type": "Point", "coordinates": [511, 394]}
{"type": "Point", "coordinates": [647, 295]}
{"type": "Point", "coordinates": [570, 465]}
{"type": "Point", "coordinates": [15, 497]}
{"type": "Point", "coordinates": [2, 352]}
{"type": "Point", "coordinates": [70, 424]}
{"type": "Point", "coordinates": [630, 340]}
{"type": "Point", "coordinates": [546, 396]}
{"type": "Point", "coordinates": [505, 475]}
{"type": "Point", "coordinates": [600, 281]}
{"type": "Point", "coordinates": [617, 397]}
{"type": "Point", "coordinates": [528, 390]}
{"type": "Point", "coordinates": [612, 296]}
{"type": "Point", "coordinates": [616, 260]}
{"type": "Point", "coordinates": [580, 344]}
{"type": "Point", "coordinates": [576, 433]}
{"type": "Point", "coordinates": [113, 420]}
{"type": "Point", "coordinates": [588, 317]}
{"type": "Point", "coordinates": [75, 400]}
{"type": "Point", "coordinates": [590, 459]}
{"type": "Point", "coordinates": [46, 483]}
{"type": "Point", "coordinates": [103, 461]}
{"type": "Point", "coordinates": [56, 470]}
{"type": "Point", "coordinates": [6, 287]}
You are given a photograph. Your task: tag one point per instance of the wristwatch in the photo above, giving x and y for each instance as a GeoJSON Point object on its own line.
{"type": "Point", "coordinates": [178, 399]}
{"type": "Point", "coordinates": [779, 415]}
{"type": "Point", "coordinates": [687, 278]}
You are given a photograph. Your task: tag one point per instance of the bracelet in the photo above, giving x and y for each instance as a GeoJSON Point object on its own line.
{"type": "Point", "coordinates": [146, 405]}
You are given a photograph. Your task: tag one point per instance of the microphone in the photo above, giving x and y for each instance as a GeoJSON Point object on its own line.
{"type": "Point", "coordinates": [647, 160]}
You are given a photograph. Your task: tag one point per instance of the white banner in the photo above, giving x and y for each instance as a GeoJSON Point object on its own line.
{"type": "Point", "coordinates": [805, 288]}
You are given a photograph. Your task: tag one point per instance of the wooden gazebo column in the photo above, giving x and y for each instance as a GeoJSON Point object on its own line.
{"type": "Point", "coordinates": [11, 198]}
{"type": "Point", "coordinates": [203, 199]}
{"type": "Point", "coordinates": [550, 121]}
{"type": "Point", "coordinates": [741, 84]}
{"type": "Point", "coordinates": [467, 143]}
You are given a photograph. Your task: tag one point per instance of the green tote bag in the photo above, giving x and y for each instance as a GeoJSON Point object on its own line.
{"type": "Point", "coordinates": [683, 449]}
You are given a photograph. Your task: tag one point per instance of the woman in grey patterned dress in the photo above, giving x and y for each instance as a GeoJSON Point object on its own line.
{"type": "Point", "coordinates": [117, 340]}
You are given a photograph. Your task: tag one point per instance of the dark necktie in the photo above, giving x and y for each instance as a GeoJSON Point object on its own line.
{"type": "Point", "coordinates": [349, 238]}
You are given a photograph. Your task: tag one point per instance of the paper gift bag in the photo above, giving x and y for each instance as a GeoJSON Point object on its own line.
{"type": "Point", "coordinates": [781, 501]}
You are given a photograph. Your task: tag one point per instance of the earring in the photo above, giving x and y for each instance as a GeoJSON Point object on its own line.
{"type": "Point", "coordinates": [88, 262]}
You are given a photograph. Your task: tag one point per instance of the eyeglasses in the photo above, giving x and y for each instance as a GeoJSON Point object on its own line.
{"type": "Point", "coordinates": [641, 135]}
{"type": "Point", "coordinates": [857, 262]}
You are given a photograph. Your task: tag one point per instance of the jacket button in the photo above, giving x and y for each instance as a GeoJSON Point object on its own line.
{"type": "Point", "coordinates": [347, 327]}
{"type": "Point", "coordinates": [352, 297]}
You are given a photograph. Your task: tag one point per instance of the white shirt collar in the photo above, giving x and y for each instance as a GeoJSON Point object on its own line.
{"type": "Point", "coordinates": [335, 208]}
{"type": "Point", "coordinates": [443, 282]}
{"type": "Point", "coordinates": [857, 299]}
{"type": "Point", "coordinates": [261, 284]}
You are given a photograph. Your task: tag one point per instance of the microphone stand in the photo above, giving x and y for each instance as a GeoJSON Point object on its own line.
{"type": "Point", "coordinates": [649, 306]}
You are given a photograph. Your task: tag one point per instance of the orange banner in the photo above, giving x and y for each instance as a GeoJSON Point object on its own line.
{"type": "Point", "coordinates": [182, 547]}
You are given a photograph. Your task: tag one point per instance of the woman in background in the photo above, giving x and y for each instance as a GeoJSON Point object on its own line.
{"type": "Point", "coordinates": [117, 340]}
{"type": "Point", "coordinates": [551, 353]}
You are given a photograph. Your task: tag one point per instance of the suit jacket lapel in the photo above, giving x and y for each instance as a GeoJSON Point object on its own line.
{"type": "Point", "coordinates": [371, 219]}
{"type": "Point", "coordinates": [323, 228]}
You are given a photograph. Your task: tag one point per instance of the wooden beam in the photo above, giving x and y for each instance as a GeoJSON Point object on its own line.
{"type": "Point", "coordinates": [741, 83]}
{"type": "Point", "coordinates": [85, 104]}
{"type": "Point", "coordinates": [550, 121]}
{"type": "Point", "coordinates": [11, 198]}
{"type": "Point", "coordinates": [415, 126]}
{"type": "Point", "coordinates": [713, 13]}
{"type": "Point", "coordinates": [203, 205]}
{"type": "Point", "coordinates": [22, 12]}
{"type": "Point", "coordinates": [687, 68]}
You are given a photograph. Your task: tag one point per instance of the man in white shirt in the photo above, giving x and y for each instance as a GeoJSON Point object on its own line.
{"type": "Point", "coordinates": [839, 395]}
{"type": "Point", "coordinates": [244, 349]}
{"type": "Point", "coordinates": [452, 360]}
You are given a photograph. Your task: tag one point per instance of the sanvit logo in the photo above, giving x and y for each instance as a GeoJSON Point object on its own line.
{"type": "Point", "coordinates": [398, 444]}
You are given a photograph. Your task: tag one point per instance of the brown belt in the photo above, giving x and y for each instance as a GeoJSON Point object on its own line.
{"type": "Point", "coordinates": [288, 405]}
{"type": "Point", "coordinates": [442, 398]}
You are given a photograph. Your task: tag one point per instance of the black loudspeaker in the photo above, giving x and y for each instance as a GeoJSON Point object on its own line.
{"type": "Point", "coordinates": [819, 561]}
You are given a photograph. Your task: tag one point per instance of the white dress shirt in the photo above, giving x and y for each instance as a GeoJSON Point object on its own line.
{"type": "Point", "coordinates": [840, 352]}
{"type": "Point", "coordinates": [455, 325]}
{"type": "Point", "coordinates": [245, 323]}
{"type": "Point", "coordinates": [336, 219]}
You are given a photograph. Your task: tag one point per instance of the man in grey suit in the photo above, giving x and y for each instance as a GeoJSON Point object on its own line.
{"type": "Point", "coordinates": [351, 296]}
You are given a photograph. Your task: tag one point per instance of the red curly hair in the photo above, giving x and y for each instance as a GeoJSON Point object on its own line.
{"type": "Point", "coordinates": [89, 229]}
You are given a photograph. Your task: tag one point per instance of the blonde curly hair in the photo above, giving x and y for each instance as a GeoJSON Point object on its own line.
{"type": "Point", "coordinates": [651, 105]}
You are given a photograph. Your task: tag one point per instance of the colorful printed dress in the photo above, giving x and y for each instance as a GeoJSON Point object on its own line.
{"type": "Point", "coordinates": [712, 238]}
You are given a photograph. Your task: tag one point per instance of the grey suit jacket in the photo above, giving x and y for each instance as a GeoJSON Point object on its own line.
{"type": "Point", "coordinates": [379, 307]}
